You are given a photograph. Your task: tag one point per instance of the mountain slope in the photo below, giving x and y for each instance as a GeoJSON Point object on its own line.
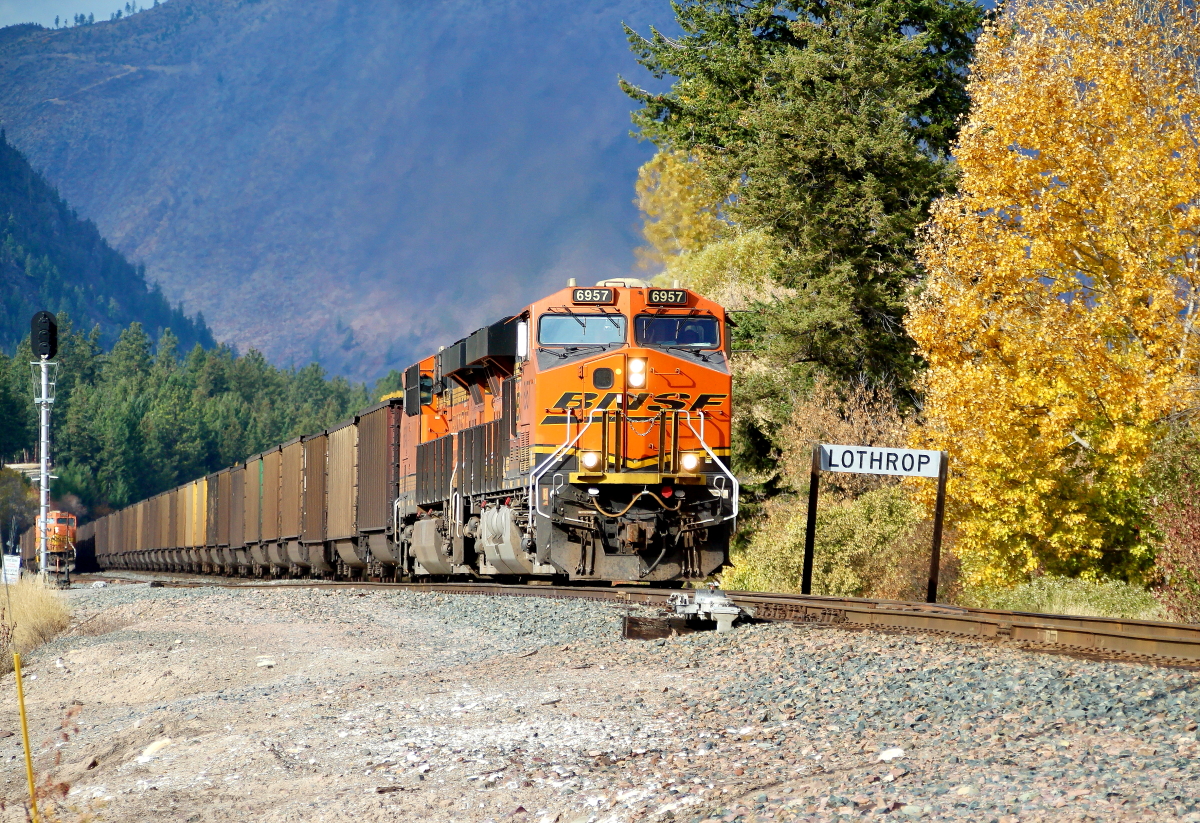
{"type": "Point", "coordinates": [354, 182]}
{"type": "Point", "coordinates": [51, 259]}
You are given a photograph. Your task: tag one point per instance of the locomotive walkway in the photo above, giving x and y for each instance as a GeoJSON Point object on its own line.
{"type": "Point", "coordinates": [206, 704]}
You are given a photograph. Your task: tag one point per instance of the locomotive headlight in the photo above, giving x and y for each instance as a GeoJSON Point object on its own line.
{"type": "Point", "coordinates": [689, 462]}
{"type": "Point", "coordinates": [637, 372]}
{"type": "Point", "coordinates": [590, 460]}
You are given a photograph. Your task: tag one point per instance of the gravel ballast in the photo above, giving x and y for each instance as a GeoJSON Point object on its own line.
{"type": "Point", "coordinates": [287, 704]}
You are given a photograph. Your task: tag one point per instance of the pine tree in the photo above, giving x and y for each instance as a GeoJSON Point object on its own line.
{"type": "Point", "coordinates": [827, 124]}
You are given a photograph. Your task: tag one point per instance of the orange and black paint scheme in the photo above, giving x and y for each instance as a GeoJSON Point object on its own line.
{"type": "Point", "coordinates": [586, 437]}
{"type": "Point", "coordinates": [60, 542]}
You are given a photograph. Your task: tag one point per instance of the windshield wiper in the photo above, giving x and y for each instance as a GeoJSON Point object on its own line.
{"type": "Point", "coordinates": [612, 318]}
{"type": "Point", "coordinates": [696, 352]}
{"type": "Point", "coordinates": [567, 351]}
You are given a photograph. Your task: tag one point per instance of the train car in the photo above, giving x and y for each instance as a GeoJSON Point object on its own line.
{"type": "Point", "coordinates": [379, 479]}
{"type": "Point", "coordinates": [585, 437]}
{"type": "Point", "coordinates": [291, 501]}
{"type": "Point", "coordinates": [61, 539]}
{"type": "Point", "coordinates": [236, 559]}
{"type": "Point", "coordinates": [341, 496]}
{"type": "Point", "coordinates": [311, 553]}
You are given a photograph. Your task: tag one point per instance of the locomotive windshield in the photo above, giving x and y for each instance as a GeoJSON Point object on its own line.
{"type": "Point", "coordinates": [677, 331]}
{"type": "Point", "coordinates": [581, 329]}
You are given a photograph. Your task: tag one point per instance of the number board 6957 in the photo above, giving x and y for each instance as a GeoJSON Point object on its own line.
{"type": "Point", "coordinates": [667, 297]}
{"type": "Point", "coordinates": [597, 297]}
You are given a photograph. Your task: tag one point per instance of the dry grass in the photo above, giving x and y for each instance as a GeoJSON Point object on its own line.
{"type": "Point", "coordinates": [35, 614]}
{"type": "Point", "coordinates": [1061, 595]}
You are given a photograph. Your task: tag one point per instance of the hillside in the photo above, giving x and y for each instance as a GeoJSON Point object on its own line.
{"type": "Point", "coordinates": [50, 258]}
{"type": "Point", "coordinates": [350, 182]}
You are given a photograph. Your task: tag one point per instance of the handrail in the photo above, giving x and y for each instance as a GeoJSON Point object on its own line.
{"type": "Point", "coordinates": [553, 459]}
{"type": "Point", "coordinates": [734, 493]}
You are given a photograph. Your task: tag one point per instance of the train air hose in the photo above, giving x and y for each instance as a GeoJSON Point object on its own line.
{"type": "Point", "coordinates": [623, 511]}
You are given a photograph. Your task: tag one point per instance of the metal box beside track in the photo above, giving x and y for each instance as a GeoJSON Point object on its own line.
{"type": "Point", "coordinates": [28, 541]}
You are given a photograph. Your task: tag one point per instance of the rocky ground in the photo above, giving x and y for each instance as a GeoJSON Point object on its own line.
{"type": "Point", "coordinates": [288, 704]}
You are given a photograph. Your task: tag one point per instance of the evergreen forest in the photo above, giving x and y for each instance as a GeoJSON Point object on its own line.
{"type": "Point", "coordinates": [144, 417]}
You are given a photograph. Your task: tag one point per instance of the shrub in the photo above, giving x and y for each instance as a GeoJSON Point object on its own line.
{"type": "Point", "coordinates": [1178, 559]}
{"type": "Point", "coordinates": [864, 547]}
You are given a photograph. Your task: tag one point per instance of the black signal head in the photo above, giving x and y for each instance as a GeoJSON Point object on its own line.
{"type": "Point", "coordinates": [43, 334]}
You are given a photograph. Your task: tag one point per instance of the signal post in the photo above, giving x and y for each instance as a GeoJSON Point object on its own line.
{"type": "Point", "coordinates": [43, 339]}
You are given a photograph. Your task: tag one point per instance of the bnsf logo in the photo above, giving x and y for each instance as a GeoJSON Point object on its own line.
{"type": "Point", "coordinates": [638, 402]}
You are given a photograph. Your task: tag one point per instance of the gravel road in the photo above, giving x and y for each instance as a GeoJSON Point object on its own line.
{"type": "Point", "coordinates": [292, 704]}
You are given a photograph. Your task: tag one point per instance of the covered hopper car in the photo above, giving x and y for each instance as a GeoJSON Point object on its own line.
{"type": "Point", "coordinates": [586, 437]}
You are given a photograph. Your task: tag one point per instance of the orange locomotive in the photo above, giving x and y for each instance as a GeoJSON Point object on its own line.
{"type": "Point", "coordinates": [586, 437]}
{"type": "Point", "coordinates": [60, 542]}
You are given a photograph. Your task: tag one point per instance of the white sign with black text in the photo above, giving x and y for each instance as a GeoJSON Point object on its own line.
{"type": "Point", "coordinates": [874, 460]}
{"type": "Point", "coordinates": [12, 568]}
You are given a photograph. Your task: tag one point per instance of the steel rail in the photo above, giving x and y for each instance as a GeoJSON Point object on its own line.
{"type": "Point", "coordinates": [1176, 644]}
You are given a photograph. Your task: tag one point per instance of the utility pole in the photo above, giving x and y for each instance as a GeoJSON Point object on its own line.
{"type": "Point", "coordinates": [43, 338]}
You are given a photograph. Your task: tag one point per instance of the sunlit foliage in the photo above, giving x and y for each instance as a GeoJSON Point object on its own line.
{"type": "Point", "coordinates": [1058, 320]}
{"type": "Point", "coordinates": [680, 208]}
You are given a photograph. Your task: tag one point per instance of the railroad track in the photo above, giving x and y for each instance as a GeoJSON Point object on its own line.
{"type": "Point", "coordinates": [1170, 644]}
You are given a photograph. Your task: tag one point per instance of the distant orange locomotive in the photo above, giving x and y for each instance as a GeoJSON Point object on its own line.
{"type": "Point", "coordinates": [60, 542]}
{"type": "Point", "coordinates": [586, 437]}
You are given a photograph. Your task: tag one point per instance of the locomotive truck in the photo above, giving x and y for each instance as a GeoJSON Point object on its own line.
{"type": "Point", "coordinates": [585, 438]}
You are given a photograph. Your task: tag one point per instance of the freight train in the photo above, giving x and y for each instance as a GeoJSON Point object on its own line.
{"type": "Point", "coordinates": [585, 438]}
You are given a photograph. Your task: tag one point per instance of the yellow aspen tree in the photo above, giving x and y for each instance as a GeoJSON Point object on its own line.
{"type": "Point", "coordinates": [1058, 314]}
{"type": "Point", "coordinates": [680, 208]}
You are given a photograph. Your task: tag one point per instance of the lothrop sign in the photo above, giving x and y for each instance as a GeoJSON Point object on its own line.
{"type": "Point", "coordinates": [873, 460]}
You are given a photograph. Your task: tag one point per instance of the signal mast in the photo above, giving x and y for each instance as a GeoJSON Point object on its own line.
{"type": "Point", "coordinates": [43, 339]}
